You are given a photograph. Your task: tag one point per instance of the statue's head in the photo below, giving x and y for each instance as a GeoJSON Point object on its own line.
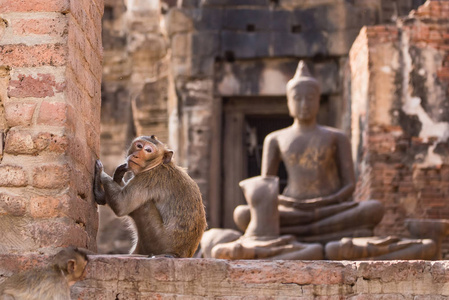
{"type": "Point", "coordinates": [303, 94]}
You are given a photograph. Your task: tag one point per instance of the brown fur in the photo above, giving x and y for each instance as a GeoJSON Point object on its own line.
{"type": "Point", "coordinates": [47, 283]}
{"type": "Point", "coordinates": [164, 203]}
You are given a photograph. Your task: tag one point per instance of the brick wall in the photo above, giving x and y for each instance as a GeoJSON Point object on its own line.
{"type": "Point", "coordinates": [50, 72]}
{"type": "Point", "coordinates": [400, 116]}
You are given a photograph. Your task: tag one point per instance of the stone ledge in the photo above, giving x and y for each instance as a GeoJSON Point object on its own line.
{"type": "Point", "coordinates": [124, 277]}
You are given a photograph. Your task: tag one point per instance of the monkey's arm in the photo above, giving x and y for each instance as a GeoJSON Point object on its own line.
{"type": "Point", "coordinates": [119, 173]}
{"type": "Point", "coordinates": [123, 200]}
{"type": "Point", "coordinates": [98, 186]}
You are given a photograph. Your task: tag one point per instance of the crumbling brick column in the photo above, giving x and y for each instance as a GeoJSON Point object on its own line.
{"type": "Point", "coordinates": [50, 74]}
{"type": "Point", "coordinates": [400, 116]}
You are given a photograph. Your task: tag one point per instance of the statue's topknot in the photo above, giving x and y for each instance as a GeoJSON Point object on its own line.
{"type": "Point", "coordinates": [302, 75]}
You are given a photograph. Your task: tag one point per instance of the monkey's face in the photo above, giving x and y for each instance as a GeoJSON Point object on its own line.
{"type": "Point", "coordinates": [142, 154]}
{"type": "Point", "coordinates": [75, 269]}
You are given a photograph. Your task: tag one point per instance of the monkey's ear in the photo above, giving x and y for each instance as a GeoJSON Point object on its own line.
{"type": "Point", "coordinates": [71, 265]}
{"type": "Point", "coordinates": [168, 154]}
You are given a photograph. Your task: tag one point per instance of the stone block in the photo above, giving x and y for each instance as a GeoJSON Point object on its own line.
{"type": "Point", "coordinates": [296, 21]}
{"type": "Point", "coordinates": [238, 45]}
{"type": "Point", "coordinates": [282, 20]}
{"type": "Point", "coordinates": [363, 15]}
{"type": "Point", "coordinates": [235, 2]}
{"type": "Point", "coordinates": [112, 41]}
{"type": "Point", "coordinates": [205, 44]}
{"type": "Point", "coordinates": [178, 20]}
{"type": "Point", "coordinates": [207, 18]}
{"type": "Point", "coordinates": [289, 44]}
{"type": "Point", "coordinates": [202, 66]}
{"type": "Point", "coordinates": [302, 4]}
{"type": "Point", "coordinates": [339, 42]}
{"type": "Point", "coordinates": [306, 44]}
{"type": "Point", "coordinates": [246, 19]}
{"type": "Point", "coordinates": [328, 76]}
{"type": "Point", "coordinates": [182, 66]}
{"type": "Point", "coordinates": [189, 3]}
{"type": "Point", "coordinates": [181, 45]}
{"type": "Point", "coordinates": [185, 20]}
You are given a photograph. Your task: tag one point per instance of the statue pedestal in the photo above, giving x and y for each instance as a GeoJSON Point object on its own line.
{"type": "Point", "coordinates": [435, 229]}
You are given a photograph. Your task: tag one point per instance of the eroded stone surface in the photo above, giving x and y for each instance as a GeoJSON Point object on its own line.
{"type": "Point", "coordinates": [121, 277]}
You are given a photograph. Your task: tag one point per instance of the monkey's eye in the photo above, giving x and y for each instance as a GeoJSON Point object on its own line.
{"type": "Point", "coordinates": [148, 149]}
{"type": "Point", "coordinates": [139, 145]}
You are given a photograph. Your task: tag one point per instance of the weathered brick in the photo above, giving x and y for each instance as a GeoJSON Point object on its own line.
{"type": "Point", "coordinates": [12, 176]}
{"type": "Point", "coordinates": [76, 208]}
{"type": "Point", "coordinates": [76, 38]}
{"type": "Point", "coordinates": [93, 140]}
{"type": "Point", "coordinates": [61, 232]}
{"type": "Point", "coordinates": [20, 142]}
{"type": "Point", "coordinates": [33, 5]}
{"type": "Point", "coordinates": [46, 141]}
{"type": "Point", "coordinates": [39, 86]}
{"type": "Point", "coordinates": [12, 205]}
{"type": "Point", "coordinates": [21, 55]}
{"type": "Point", "coordinates": [52, 113]}
{"type": "Point", "coordinates": [55, 26]}
{"type": "Point", "coordinates": [100, 6]}
{"type": "Point", "coordinates": [51, 176]}
{"type": "Point", "coordinates": [19, 113]}
{"type": "Point", "coordinates": [79, 12]}
{"type": "Point", "coordinates": [44, 207]}
{"type": "Point", "coordinates": [14, 263]}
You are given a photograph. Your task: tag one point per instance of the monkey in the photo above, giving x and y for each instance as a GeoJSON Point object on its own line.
{"type": "Point", "coordinates": [52, 282]}
{"type": "Point", "coordinates": [164, 202]}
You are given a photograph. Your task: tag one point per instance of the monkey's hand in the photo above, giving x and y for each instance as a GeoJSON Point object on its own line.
{"type": "Point", "coordinates": [99, 193]}
{"type": "Point", "coordinates": [120, 172]}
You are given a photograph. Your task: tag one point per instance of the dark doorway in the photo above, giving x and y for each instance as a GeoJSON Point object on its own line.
{"type": "Point", "coordinates": [258, 127]}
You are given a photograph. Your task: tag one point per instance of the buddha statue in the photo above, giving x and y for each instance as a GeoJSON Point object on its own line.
{"type": "Point", "coordinates": [316, 204]}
